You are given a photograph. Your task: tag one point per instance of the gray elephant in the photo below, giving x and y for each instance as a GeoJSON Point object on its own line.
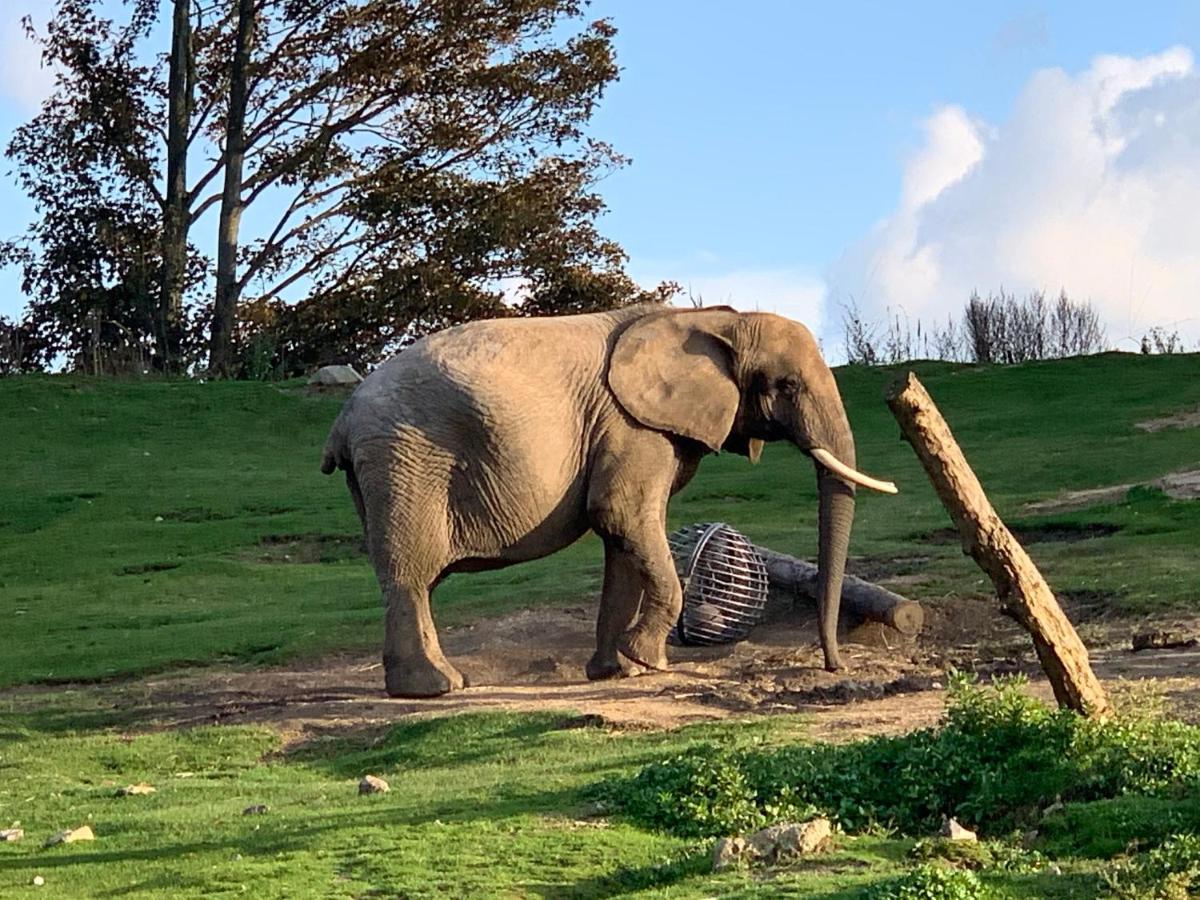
{"type": "Point", "coordinates": [502, 441]}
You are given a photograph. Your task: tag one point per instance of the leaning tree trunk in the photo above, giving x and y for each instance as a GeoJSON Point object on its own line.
{"type": "Point", "coordinates": [180, 85]}
{"type": "Point", "coordinates": [228, 289]}
{"type": "Point", "coordinates": [1019, 585]}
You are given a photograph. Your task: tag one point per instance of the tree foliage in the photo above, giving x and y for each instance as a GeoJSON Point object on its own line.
{"type": "Point", "coordinates": [90, 260]}
{"type": "Point", "coordinates": [381, 168]}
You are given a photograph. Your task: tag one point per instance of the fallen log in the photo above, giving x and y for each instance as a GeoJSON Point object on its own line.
{"type": "Point", "coordinates": [859, 598]}
{"type": "Point", "coordinates": [1020, 586]}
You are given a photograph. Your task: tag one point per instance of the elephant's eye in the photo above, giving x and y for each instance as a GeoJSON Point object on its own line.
{"type": "Point", "coordinates": [789, 385]}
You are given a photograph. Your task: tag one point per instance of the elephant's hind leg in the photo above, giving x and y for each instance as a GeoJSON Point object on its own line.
{"type": "Point", "coordinates": [407, 541]}
{"type": "Point", "coordinates": [413, 663]}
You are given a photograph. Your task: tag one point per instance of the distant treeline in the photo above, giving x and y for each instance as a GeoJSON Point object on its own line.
{"type": "Point", "coordinates": [1000, 328]}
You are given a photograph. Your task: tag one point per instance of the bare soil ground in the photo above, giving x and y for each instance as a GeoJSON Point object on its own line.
{"type": "Point", "coordinates": [533, 661]}
{"type": "Point", "coordinates": [1188, 418]}
{"type": "Point", "coordinates": [1181, 485]}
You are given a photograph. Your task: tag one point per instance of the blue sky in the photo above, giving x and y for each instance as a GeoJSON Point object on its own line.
{"type": "Point", "coordinates": [790, 156]}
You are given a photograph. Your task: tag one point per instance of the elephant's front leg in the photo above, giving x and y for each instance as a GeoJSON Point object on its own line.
{"type": "Point", "coordinates": [619, 603]}
{"type": "Point", "coordinates": [646, 642]}
{"type": "Point", "coordinates": [627, 505]}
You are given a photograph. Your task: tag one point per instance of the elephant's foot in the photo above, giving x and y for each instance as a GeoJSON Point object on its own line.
{"type": "Point", "coordinates": [833, 661]}
{"type": "Point", "coordinates": [421, 677]}
{"type": "Point", "coordinates": [643, 649]}
{"type": "Point", "coordinates": [599, 667]}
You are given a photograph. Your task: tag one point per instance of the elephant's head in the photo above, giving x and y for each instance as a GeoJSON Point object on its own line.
{"type": "Point", "coordinates": [734, 380]}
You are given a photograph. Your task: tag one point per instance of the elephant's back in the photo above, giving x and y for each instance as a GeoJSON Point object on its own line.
{"type": "Point", "coordinates": [499, 362]}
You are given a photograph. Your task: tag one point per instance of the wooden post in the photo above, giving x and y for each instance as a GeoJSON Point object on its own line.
{"type": "Point", "coordinates": [861, 598]}
{"type": "Point", "coordinates": [1019, 585]}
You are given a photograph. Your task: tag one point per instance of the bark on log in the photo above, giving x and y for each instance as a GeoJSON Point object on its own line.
{"type": "Point", "coordinates": [1020, 586]}
{"type": "Point", "coordinates": [861, 598]}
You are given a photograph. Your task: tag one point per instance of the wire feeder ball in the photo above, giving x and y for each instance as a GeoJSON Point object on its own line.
{"type": "Point", "coordinates": [724, 584]}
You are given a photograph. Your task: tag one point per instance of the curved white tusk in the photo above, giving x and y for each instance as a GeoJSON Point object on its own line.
{"type": "Point", "coordinates": [843, 471]}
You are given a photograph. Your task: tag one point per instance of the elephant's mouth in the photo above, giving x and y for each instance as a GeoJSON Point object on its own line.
{"type": "Point", "coordinates": [848, 474]}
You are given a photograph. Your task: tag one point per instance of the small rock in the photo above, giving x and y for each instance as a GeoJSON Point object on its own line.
{"type": "Point", "coordinates": [789, 838]}
{"type": "Point", "coordinates": [256, 810]}
{"type": "Point", "coordinates": [955, 832]}
{"type": "Point", "coordinates": [1163, 640]}
{"type": "Point", "coordinates": [328, 375]}
{"type": "Point", "coordinates": [762, 844]}
{"type": "Point", "coordinates": [727, 852]}
{"type": "Point", "coordinates": [38, 880]}
{"type": "Point", "coordinates": [71, 835]}
{"type": "Point", "coordinates": [808, 837]}
{"type": "Point", "coordinates": [11, 834]}
{"type": "Point", "coordinates": [373, 784]}
{"type": "Point", "coordinates": [136, 790]}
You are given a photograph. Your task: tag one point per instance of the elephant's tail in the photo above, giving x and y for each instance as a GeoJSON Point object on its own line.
{"type": "Point", "coordinates": [337, 451]}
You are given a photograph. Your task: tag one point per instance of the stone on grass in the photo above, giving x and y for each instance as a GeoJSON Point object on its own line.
{"type": "Point", "coordinates": [136, 790]}
{"type": "Point", "coordinates": [373, 784]}
{"type": "Point", "coordinates": [331, 375]}
{"type": "Point", "coordinates": [256, 810]}
{"type": "Point", "coordinates": [1164, 640]}
{"type": "Point", "coordinates": [955, 832]}
{"type": "Point", "coordinates": [774, 843]}
{"type": "Point", "coordinates": [71, 835]}
{"type": "Point", "coordinates": [727, 852]}
{"type": "Point", "coordinates": [11, 834]}
{"type": "Point", "coordinates": [790, 839]}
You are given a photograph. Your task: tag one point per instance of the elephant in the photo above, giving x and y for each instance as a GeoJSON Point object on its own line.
{"type": "Point", "coordinates": [505, 440]}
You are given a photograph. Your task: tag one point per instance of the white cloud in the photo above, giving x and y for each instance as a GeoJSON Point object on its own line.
{"type": "Point", "coordinates": [23, 81]}
{"type": "Point", "coordinates": [1092, 185]}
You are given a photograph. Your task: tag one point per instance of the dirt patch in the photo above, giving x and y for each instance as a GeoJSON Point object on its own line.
{"type": "Point", "coordinates": [1181, 485]}
{"type": "Point", "coordinates": [149, 568]}
{"type": "Point", "coordinates": [1058, 532]}
{"type": "Point", "coordinates": [1073, 500]}
{"type": "Point", "coordinates": [1187, 419]}
{"type": "Point", "coordinates": [305, 548]}
{"type": "Point", "coordinates": [196, 514]}
{"type": "Point", "coordinates": [533, 661]}
{"type": "Point", "coordinates": [907, 569]}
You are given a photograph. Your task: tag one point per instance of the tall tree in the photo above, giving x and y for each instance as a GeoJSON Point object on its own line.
{"type": "Point", "coordinates": [180, 98]}
{"type": "Point", "coordinates": [229, 223]}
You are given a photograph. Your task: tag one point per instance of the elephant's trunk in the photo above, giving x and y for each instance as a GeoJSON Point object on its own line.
{"type": "Point", "coordinates": [836, 517]}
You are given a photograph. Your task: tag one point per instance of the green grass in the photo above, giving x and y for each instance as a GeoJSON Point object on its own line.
{"type": "Point", "coordinates": [489, 805]}
{"type": "Point", "coordinates": [145, 525]}
{"type": "Point", "coordinates": [133, 513]}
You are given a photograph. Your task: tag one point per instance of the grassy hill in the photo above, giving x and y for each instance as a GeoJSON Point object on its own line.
{"type": "Point", "coordinates": [151, 524]}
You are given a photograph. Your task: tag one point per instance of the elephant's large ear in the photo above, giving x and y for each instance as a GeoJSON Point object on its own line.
{"type": "Point", "coordinates": [673, 372]}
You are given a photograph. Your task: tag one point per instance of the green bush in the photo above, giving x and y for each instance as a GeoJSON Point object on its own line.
{"type": "Point", "coordinates": [930, 882]}
{"type": "Point", "coordinates": [998, 758]}
{"type": "Point", "coordinates": [976, 855]}
{"type": "Point", "coordinates": [1170, 871]}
